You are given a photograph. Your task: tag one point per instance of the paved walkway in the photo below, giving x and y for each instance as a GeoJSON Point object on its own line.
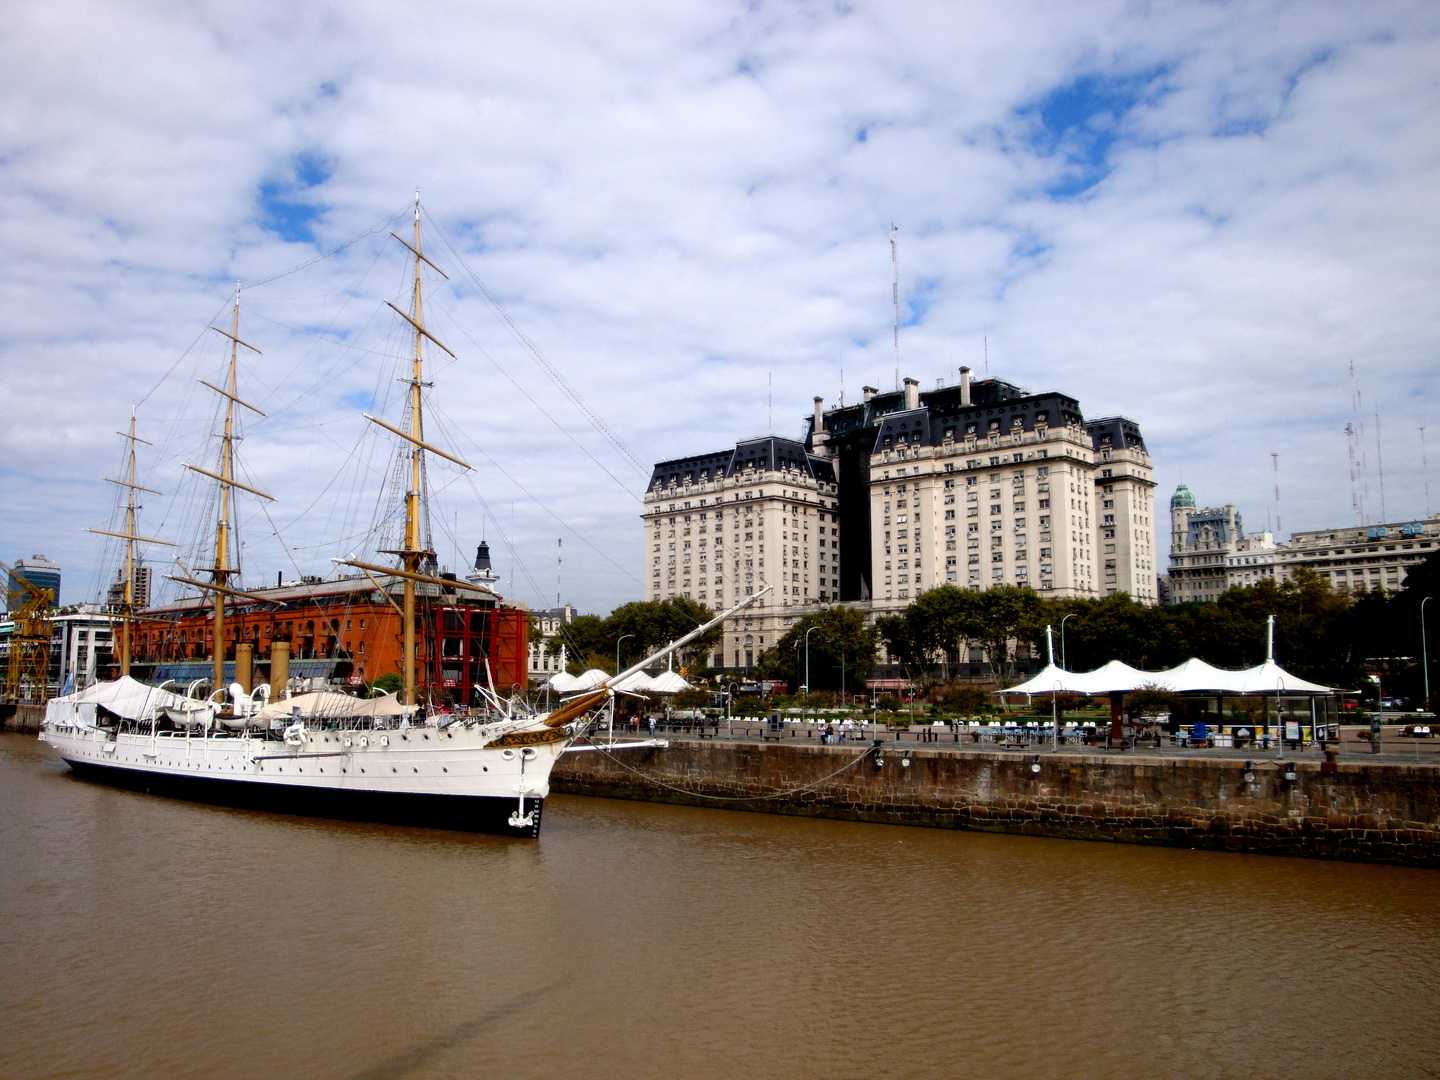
{"type": "Point", "coordinates": [1395, 748]}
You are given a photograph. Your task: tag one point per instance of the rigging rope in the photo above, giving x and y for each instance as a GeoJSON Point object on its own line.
{"type": "Point", "coordinates": [530, 347]}
{"type": "Point", "coordinates": [328, 254]}
{"type": "Point", "coordinates": [732, 798]}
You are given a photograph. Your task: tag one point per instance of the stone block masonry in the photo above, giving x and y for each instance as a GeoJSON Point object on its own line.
{"type": "Point", "coordinates": [1383, 813]}
{"type": "Point", "coordinates": [22, 718]}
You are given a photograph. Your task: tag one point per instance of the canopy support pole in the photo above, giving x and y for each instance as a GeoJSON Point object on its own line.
{"type": "Point", "coordinates": [1117, 715]}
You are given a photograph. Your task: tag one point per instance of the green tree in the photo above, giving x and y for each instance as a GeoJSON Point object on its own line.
{"type": "Point", "coordinates": [1004, 613]}
{"type": "Point", "coordinates": [840, 643]}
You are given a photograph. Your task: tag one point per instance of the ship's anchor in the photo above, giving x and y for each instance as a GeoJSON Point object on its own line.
{"type": "Point", "coordinates": [520, 819]}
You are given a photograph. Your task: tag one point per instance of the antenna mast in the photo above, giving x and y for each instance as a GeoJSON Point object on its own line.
{"type": "Point", "coordinates": [1275, 460]}
{"type": "Point", "coordinates": [1425, 470]}
{"type": "Point", "coordinates": [895, 294]}
{"type": "Point", "coordinates": [1380, 465]}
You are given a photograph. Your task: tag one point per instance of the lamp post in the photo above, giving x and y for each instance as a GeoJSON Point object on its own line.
{"type": "Point", "coordinates": [1062, 639]}
{"type": "Point", "coordinates": [617, 651]}
{"type": "Point", "coordinates": [807, 656]}
{"type": "Point", "coordinates": [1425, 652]}
{"type": "Point", "coordinates": [729, 700]}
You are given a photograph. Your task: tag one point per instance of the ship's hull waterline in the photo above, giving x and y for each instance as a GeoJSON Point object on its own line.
{"type": "Point", "coordinates": [432, 778]}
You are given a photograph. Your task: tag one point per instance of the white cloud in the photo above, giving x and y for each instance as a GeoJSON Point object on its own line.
{"type": "Point", "coordinates": [675, 202]}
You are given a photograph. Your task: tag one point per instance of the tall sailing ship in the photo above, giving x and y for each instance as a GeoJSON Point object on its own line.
{"type": "Point", "coordinates": [238, 740]}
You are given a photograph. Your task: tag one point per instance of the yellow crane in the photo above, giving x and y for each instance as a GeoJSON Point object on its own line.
{"type": "Point", "coordinates": [27, 679]}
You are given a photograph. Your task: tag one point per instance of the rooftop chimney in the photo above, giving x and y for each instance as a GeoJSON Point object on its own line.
{"type": "Point", "coordinates": [869, 392]}
{"type": "Point", "coordinates": [912, 393]}
{"type": "Point", "coordinates": [818, 438]}
{"type": "Point", "coordinates": [965, 386]}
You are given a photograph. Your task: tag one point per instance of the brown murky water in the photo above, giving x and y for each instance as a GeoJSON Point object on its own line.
{"type": "Point", "coordinates": [141, 937]}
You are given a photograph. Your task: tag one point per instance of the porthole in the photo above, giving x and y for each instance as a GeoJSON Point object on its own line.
{"type": "Point", "coordinates": [414, 770]}
{"type": "Point", "coordinates": [427, 736]}
{"type": "Point", "coordinates": [444, 769]}
{"type": "Point", "coordinates": [507, 754]}
{"type": "Point", "coordinates": [393, 769]}
{"type": "Point", "coordinates": [484, 768]}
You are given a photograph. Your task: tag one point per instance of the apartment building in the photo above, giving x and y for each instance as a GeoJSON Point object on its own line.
{"type": "Point", "coordinates": [980, 484]}
{"type": "Point", "coordinates": [721, 526]}
{"type": "Point", "coordinates": [1364, 558]}
{"type": "Point", "coordinates": [547, 649]}
{"type": "Point", "coordinates": [1256, 558]}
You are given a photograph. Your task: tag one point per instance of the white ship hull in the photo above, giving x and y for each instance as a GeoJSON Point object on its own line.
{"type": "Point", "coordinates": [458, 778]}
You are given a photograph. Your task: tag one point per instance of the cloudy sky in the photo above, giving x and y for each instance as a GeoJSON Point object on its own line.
{"type": "Point", "coordinates": [1198, 215]}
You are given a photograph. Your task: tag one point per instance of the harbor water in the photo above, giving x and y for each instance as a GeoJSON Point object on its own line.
{"type": "Point", "coordinates": [145, 937]}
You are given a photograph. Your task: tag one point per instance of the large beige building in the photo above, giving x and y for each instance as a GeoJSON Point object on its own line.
{"type": "Point", "coordinates": [971, 484]}
{"type": "Point", "coordinates": [721, 526]}
{"type": "Point", "coordinates": [980, 484]}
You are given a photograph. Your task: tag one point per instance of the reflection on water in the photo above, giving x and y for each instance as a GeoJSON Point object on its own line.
{"type": "Point", "coordinates": [145, 937]}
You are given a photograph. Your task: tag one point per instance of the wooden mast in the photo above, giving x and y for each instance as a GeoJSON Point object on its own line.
{"type": "Point", "coordinates": [220, 572]}
{"type": "Point", "coordinates": [127, 603]}
{"type": "Point", "coordinates": [411, 554]}
{"type": "Point", "coordinates": [131, 538]}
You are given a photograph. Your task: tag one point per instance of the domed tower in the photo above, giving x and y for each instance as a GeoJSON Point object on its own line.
{"type": "Point", "coordinates": [1182, 505]}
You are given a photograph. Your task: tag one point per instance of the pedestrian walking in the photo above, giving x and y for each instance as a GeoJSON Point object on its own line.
{"type": "Point", "coordinates": [652, 726]}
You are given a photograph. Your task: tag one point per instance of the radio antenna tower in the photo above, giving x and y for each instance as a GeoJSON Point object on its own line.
{"type": "Point", "coordinates": [1355, 438]}
{"type": "Point", "coordinates": [1380, 465]}
{"type": "Point", "coordinates": [1275, 461]}
{"type": "Point", "coordinates": [895, 294]}
{"type": "Point", "coordinates": [1425, 470]}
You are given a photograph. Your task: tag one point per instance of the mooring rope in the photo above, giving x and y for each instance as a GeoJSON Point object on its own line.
{"type": "Point", "coordinates": [732, 798]}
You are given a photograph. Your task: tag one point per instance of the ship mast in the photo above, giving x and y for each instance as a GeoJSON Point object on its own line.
{"type": "Point", "coordinates": [222, 571]}
{"type": "Point", "coordinates": [411, 553]}
{"type": "Point", "coordinates": [127, 597]}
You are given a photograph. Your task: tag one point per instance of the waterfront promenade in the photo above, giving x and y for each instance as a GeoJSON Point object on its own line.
{"type": "Point", "coordinates": [1352, 745]}
{"type": "Point", "coordinates": [1345, 804]}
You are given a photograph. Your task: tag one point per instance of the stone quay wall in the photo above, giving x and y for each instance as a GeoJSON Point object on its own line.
{"type": "Point", "coordinates": [1362, 812]}
{"type": "Point", "coordinates": [23, 718]}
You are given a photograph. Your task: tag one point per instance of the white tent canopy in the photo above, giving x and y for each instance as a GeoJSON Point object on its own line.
{"type": "Point", "coordinates": [563, 682]}
{"type": "Point", "coordinates": [125, 697]}
{"type": "Point", "coordinates": [591, 679]}
{"type": "Point", "coordinates": [669, 682]}
{"type": "Point", "coordinates": [1193, 676]}
{"type": "Point", "coordinates": [1271, 678]}
{"type": "Point", "coordinates": [1051, 679]}
{"type": "Point", "coordinates": [636, 683]}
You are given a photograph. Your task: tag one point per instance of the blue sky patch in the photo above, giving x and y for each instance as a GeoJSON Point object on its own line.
{"type": "Point", "coordinates": [1081, 123]}
{"type": "Point", "coordinates": [283, 209]}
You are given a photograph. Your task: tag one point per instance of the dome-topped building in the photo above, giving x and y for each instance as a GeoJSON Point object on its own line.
{"type": "Point", "coordinates": [1182, 499]}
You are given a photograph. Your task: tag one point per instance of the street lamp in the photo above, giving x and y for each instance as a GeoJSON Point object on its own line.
{"type": "Point", "coordinates": [1062, 639]}
{"type": "Point", "coordinates": [1425, 652]}
{"type": "Point", "coordinates": [807, 656]}
{"type": "Point", "coordinates": [617, 651]}
{"type": "Point", "coordinates": [729, 700]}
